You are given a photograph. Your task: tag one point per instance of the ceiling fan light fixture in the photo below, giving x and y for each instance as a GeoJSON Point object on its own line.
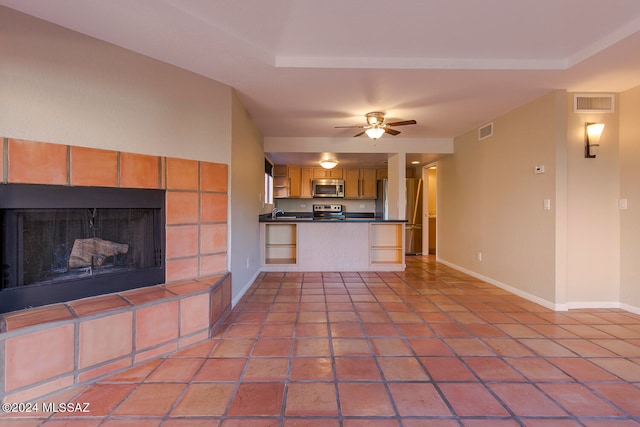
{"type": "Point", "coordinates": [375, 118]}
{"type": "Point", "coordinates": [374, 132]}
{"type": "Point", "coordinates": [328, 164]}
{"type": "Point", "coordinates": [376, 126]}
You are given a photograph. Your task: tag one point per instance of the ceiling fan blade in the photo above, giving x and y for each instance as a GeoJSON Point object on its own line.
{"type": "Point", "coordinates": [403, 123]}
{"type": "Point", "coordinates": [358, 134]}
{"type": "Point", "coordinates": [349, 127]}
{"type": "Point", "coordinates": [391, 131]}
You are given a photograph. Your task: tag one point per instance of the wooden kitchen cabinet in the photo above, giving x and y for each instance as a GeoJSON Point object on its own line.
{"type": "Point", "coordinates": [280, 181]}
{"type": "Point", "coordinates": [286, 181]}
{"type": "Point", "coordinates": [360, 183]}
{"type": "Point", "coordinates": [369, 183]}
{"type": "Point", "coordinates": [352, 183]}
{"type": "Point", "coordinates": [321, 173]}
{"type": "Point", "coordinates": [306, 176]}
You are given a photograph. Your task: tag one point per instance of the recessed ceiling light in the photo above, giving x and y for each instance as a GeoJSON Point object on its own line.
{"type": "Point", "coordinates": [415, 162]}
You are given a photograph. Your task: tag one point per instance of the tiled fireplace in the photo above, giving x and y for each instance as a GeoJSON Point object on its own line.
{"type": "Point", "coordinates": [61, 243]}
{"type": "Point", "coordinates": [52, 347]}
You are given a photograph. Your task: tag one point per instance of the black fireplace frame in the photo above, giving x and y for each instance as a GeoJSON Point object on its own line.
{"type": "Point", "coordinates": [35, 196]}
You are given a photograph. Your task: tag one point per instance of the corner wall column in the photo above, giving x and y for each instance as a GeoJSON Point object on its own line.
{"type": "Point", "coordinates": [397, 172]}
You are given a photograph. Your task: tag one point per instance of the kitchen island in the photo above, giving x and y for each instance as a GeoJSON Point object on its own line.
{"type": "Point", "coordinates": [300, 243]}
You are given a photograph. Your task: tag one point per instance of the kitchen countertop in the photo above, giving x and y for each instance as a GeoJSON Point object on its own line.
{"type": "Point", "coordinates": [308, 217]}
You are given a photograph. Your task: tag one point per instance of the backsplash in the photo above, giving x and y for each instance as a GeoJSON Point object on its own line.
{"type": "Point", "coordinates": [306, 205]}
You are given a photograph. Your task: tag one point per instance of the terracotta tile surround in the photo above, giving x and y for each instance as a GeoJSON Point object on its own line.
{"type": "Point", "coordinates": [53, 347]}
{"type": "Point", "coordinates": [90, 167]}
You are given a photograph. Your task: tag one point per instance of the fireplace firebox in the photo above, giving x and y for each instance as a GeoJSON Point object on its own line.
{"type": "Point", "coordinates": [60, 243]}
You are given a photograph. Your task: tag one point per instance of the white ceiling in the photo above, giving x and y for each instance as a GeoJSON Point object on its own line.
{"type": "Point", "coordinates": [302, 67]}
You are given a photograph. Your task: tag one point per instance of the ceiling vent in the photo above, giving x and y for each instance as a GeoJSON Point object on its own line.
{"type": "Point", "coordinates": [594, 103]}
{"type": "Point", "coordinates": [485, 131]}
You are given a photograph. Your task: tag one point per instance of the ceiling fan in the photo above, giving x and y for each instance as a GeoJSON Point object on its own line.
{"type": "Point", "coordinates": [376, 127]}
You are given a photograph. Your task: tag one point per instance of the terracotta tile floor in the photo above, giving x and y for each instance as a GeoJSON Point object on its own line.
{"type": "Point", "coordinates": [427, 347]}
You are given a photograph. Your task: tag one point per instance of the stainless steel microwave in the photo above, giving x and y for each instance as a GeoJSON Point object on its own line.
{"type": "Point", "coordinates": [328, 187]}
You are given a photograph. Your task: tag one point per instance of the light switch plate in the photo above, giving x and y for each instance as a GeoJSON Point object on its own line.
{"type": "Point", "coordinates": [538, 169]}
{"type": "Point", "coordinates": [622, 204]}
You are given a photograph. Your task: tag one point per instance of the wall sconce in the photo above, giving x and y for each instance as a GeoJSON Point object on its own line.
{"type": "Point", "coordinates": [593, 131]}
{"type": "Point", "coordinates": [328, 164]}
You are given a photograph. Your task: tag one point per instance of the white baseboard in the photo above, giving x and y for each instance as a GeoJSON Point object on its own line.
{"type": "Point", "coordinates": [605, 304]}
{"type": "Point", "coordinates": [576, 305]}
{"type": "Point", "coordinates": [548, 304]}
{"type": "Point", "coordinates": [244, 289]}
{"type": "Point", "coordinates": [530, 297]}
{"type": "Point", "coordinates": [630, 308]}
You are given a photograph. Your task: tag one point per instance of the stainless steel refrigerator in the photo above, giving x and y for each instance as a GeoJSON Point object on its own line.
{"type": "Point", "coordinates": [413, 228]}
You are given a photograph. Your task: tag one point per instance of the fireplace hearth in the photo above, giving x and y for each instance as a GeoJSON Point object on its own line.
{"type": "Point", "coordinates": [60, 243]}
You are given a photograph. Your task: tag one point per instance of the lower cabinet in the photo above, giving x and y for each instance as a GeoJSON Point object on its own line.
{"type": "Point", "coordinates": [280, 243]}
{"type": "Point", "coordinates": [386, 243]}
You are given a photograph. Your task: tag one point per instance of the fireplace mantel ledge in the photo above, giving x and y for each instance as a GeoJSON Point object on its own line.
{"type": "Point", "coordinates": [92, 307]}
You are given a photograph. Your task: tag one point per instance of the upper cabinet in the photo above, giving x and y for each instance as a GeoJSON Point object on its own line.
{"type": "Point", "coordinates": [360, 183]}
{"type": "Point", "coordinates": [286, 181]}
{"type": "Point", "coordinates": [306, 190]}
{"type": "Point", "coordinates": [296, 181]}
{"type": "Point", "coordinates": [319, 173]}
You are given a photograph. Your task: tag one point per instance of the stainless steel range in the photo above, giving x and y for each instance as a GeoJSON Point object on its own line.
{"type": "Point", "coordinates": [328, 212]}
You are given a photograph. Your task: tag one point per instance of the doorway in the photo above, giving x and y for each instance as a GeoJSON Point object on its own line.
{"type": "Point", "coordinates": [430, 210]}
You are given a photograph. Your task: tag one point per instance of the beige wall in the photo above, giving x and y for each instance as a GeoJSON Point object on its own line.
{"type": "Point", "coordinates": [247, 186]}
{"type": "Point", "coordinates": [581, 253]}
{"type": "Point", "coordinates": [593, 225]}
{"type": "Point", "coordinates": [630, 189]}
{"type": "Point", "coordinates": [63, 87]}
{"type": "Point", "coordinates": [490, 200]}
{"type": "Point", "coordinates": [60, 86]}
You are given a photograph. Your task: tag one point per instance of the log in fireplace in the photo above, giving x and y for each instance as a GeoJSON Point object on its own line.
{"type": "Point", "coordinates": [60, 243]}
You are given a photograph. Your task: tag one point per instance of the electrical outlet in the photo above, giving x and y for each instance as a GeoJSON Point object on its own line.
{"type": "Point", "coordinates": [479, 256]}
{"type": "Point", "coordinates": [361, 205]}
{"type": "Point", "coordinates": [546, 204]}
{"type": "Point", "coordinates": [248, 262]}
{"type": "Point", "coordinates": [303, 205]}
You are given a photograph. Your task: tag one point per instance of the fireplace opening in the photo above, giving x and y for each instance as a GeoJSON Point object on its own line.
{"type": "Point", "coordinates": [64, 243]}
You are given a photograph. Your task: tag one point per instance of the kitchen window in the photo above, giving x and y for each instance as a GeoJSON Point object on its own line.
{"type": "Point", "coordinates": [268, 182]}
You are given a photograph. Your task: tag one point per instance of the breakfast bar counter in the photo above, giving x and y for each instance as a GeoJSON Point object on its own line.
{"type": "Point", "coordinates": [356, 243]}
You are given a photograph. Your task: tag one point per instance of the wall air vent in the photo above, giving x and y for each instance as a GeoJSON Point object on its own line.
{"type": "Point", "coordinates": [485, 131]}
{"type": "Point", "coordinates": [594, 103]}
